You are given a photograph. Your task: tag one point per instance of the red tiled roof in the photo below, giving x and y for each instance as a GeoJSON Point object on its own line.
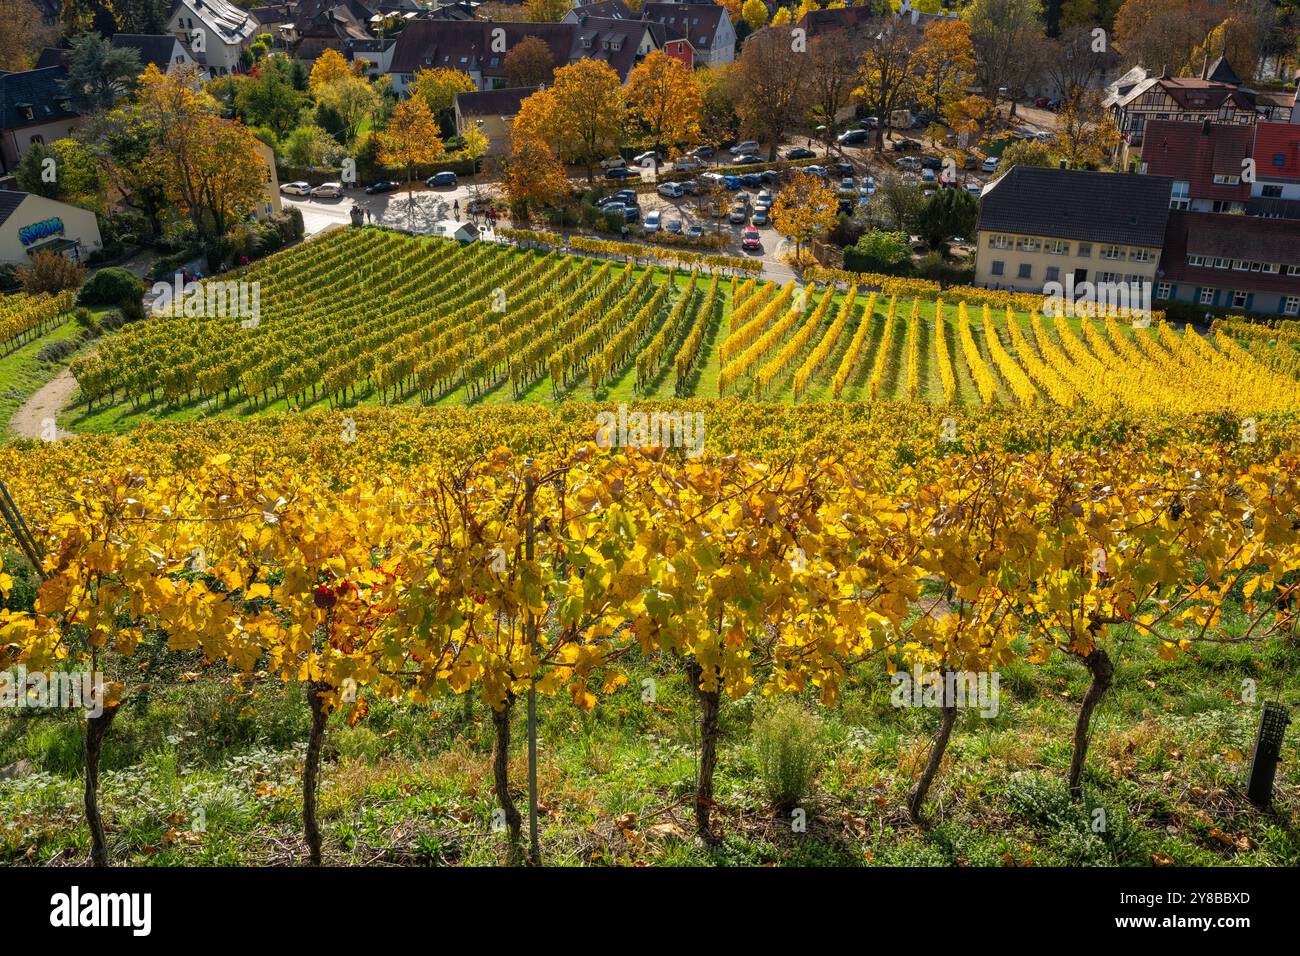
{"type": "Point", "coordinates": [1232, 237]}
{"type": "Point", "coordinates": [1195, 153]}
{"type": "Point", "coordinates": [1277, 151]}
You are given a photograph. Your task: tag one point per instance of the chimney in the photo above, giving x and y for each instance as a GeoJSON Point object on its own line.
{"type": "Point", "coordinates": [1205, 67]}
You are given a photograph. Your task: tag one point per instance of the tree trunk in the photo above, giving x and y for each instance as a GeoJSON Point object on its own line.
{"type": "Point", "coordinates": [710, 704]}
{"type": "Point", "coordinates": [311, 770]}
{"type": "Point", "coordinates": [501, 779]}
{"type": "Point", "coordinates": [96, 730]}
{"type": "Point", "coordinates": [916, 799]}
{"type": "Point", "coordinates": [1103, 675]}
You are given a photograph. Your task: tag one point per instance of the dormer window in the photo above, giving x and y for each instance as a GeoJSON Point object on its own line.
{"type": "Point", "coordinates": [586, 43]}
{"type": "Point", "coordinates": [65, 105]}
{"type": "Point", "coordinates": [26, 110]}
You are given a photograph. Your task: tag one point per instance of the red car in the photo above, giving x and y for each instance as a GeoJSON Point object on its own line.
{"type": "Point", "coordinates": [750, 239]}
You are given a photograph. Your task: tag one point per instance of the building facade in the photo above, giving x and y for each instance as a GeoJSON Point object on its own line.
{"type": "Point", "coordinates": [31, 224]}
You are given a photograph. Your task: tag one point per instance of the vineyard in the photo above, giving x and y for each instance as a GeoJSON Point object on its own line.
{"type": "Point", "coordinates": [369, 317]}
{"type": "Point", "coordinates": [374, 595]}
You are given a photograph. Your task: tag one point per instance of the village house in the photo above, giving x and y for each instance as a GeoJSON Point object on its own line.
{"type": "Point", "coordinates": [34, 108]}
{"type": "Point", "coordinates": [216, 31]}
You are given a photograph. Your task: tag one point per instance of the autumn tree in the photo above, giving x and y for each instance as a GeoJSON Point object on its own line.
{"type": "Point", "coordinates": [770, 84]}
{"type": "Point", "coordinates": [410, 139]}
{"type": "Point", "coordinates": [805, 209]}
{"type": "Point", "coordinates": [664, 105]}
{"type": "Point", "coordinates": [1086, 131]}
{"type": "Point", "coordinates": [754, 13]}
{"type": "Point", "coordinates": [1027, 152]}
{"type": "Point", "coordinates": [1173, 34]}
{"type": "Point", "coordinates": [832, 76]}
{"type": "Point", "coordinates": [352, 99]}
{"type": "Point", "coordinates": [23, 35]}
{"type": "Point", "coordinates": [529, 63]}
{"type": "Point", "coordinates": [1003, 35]}
{"type": "Point", "coordinates": [546, 11]}
{"type": "Point", "coordinates": [1076, 59]}
{"type": "Point", "coordinates": [533, 174]}
{"type": "Point", "coordinates": [438, 88]}
{"type": "Point", "coordinates": [587, 111]}
{"type": "Point", "coordinates": [720, 122]}
{"type": "Point", "coordinates": [945, 63]}
{"type": "Point", "coordinates": [889, 70]}
{"type": "Point", "coordinates": [329, 68]}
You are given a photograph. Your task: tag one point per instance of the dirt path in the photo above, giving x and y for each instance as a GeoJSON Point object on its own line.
{"type": "Point", "coordinates": [29, 421]}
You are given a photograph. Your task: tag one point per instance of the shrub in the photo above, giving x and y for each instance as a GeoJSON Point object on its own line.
{"type": "Point", "coordinates": [879, 251]}
{"type": "Point", "coordinates": [788, 742]}
{"type": "Point", "coordinates": [52, 273]}
{"type": "Point", "coordinates": [114, 286]}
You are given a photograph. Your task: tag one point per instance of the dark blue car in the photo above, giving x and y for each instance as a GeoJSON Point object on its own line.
{"type": "Point", "coordinates": [751, 180]}
{"type": "Point", "coordinates": [731, 182]}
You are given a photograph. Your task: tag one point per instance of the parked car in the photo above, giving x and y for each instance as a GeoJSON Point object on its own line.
{"type": "Point", "coordinates": [971, 161]}
{"type": "Point", "coordinates": [443, 179]}
{"type": "Point", "coordinates": [751, 180]}
{"type": "Point", "coordinates": [844, 207]}
{"type": "Point", "coordinates": [867, 186]}
{"type": "Point", "coordinates": [686, 164]}
{"type": "Point", "coordinates": [646, 159]}
{"type": "Point", "coordinates": [739, 213]}
{"type": "Point", "coordinates": [295, 189]}
{"type": "Point", "coordinates": [764, 200]}
{"type": "Point", "coordinates": [629, 213]}
{"type": "Point", "coordinates": [854, 137]}
{"type": "Point", "coordinates": [746, 146]}
{"type": "Point", "coordinates": [613, 162]}
{"type": "Point", "coordinates": [906, 146]}
{"type": "Point", "coordinates": [799, 153]}
{"type": "Point", "coordinates": [750, 239]}
{"type": "Point", "coordinates": [694, 231]}
{"type": "Point", "coordinates": [621, 172]}
{"type": "Point", "coordinates": [710, 180]}
{"type": "Point", "coordinates": [931, 162]}
{"type": "Point", "coordinates": [674, 226]}
{"type": "Point", "coordinates": [770, 177]}
{"type": "Point", "coordinates": [689, 186]}
{"type": "Point", "coordinates": [990, 165]}
{"type": "Point", "coordinates": [927, 176]}
{"type": "Point", "coordinates": [974, 189]}
{"type": "Point", "coordinates": [653, 219]}
{"type": "Point", "coordinates": [816, 171]}
{"type": "Point", "coordinates": [761, 217]}
{"type": "Point", "coordinates": [383, 186]}
{"type": "Point", "coordinates": [871, 122]}
{"type": "Point", "coordinates": [848, 185]}
{"type": "Point", "coordinates": [908, 162]}
{"type": "Point", "coordinates": [746, 159]}
{"type": "Point", "coordinates": [841, 169]}
{"type": "Point", "coordinates": [327, 191]}
{"type": "Point", "coordinates": [704, 152]}
{"type": "Point", "coordinates": [627, 197]}
{"type": "Point", "coordinates": [731, 182]}
{"type": "Point", "coordinates": [671, 190]}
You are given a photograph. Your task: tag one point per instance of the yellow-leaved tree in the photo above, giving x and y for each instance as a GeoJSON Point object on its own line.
{"type": "Point", "coordinates": [588, 111]}
{"type": "Point", "coordinates": [664, 104]}
{"type": "Point", "coordinates": [410, 138]}
{"type": "Point", "coordinates": [329, 68]}
{"type": "Point", "coordinates": [804, 209]}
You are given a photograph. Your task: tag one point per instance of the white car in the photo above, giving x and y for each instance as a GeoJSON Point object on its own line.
{"type": "Point", "coordinates": [671, 190]}
{"type": "Point", "coordinates": [740, 149]}
{"type": "Point", "coordinates": [645, 160]}
{"type": "Point", "coordinates": [327, 191]}
{"type": "Point", "coordinates": [687, 164]}
{"type": "Point", "coordinates": [295, 189]}
{"type": "Point", "coordinates": [614, 162]}
{"type": "Point", "coordinates": [652, 221]}
{"type": "Point", "coordinates": [974, 189]}
{"type": "Point", "coordinates": [868, 186]}
{"type": "Point", "coordinates": [990, 165]}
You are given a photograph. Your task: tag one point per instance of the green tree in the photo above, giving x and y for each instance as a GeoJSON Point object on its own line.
{"type": "Point", "coordinates": [269, 97]}
{"type": "Point", "coordinates": [946, 214]}
{"type": "Point", "coordinates": [878, 251]}
{"type": "Point", "coordinates": [64, 170]}
{"type": "Point", "coordinates": [99, 73]}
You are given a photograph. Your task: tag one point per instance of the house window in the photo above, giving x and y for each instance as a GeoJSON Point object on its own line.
{"type": "Point", "coordinates": [1291, 305]}
{"type": "Point", "coordinates": [1293, 270]}
{"type": "Point", "coordinates": [1108, 277]}
{"type": "Point", "coordinates": [1057, 247]}
{"type": "Point", "coordinates": [27, 112]}
{"type": "Point", "coordinates": [1207, 296]}
{"type": "Point", "coordinates": [1112, 252]}
{"type": "Point", "coordinates": [1196, 260]}
{"type": "Point", "coordinates": [1239, 300]}
{"type": "Point", "coordinates": [1141, 255]}
{"type": "Point", "coordinates": [1271, 192]}
{"type": "Point", "coordinates": [1053, 274]}
{"type": "Point", "coordinates": [1270, 268]}
{"type": "Point", "coordinates": [997, 267]}
{"type": "Point", "coordinates": [1279, 159]}
{"type": "Point", "coordinates": [1162, 290]}
{"type": "Point", "coordinates": [1085, 250]}
{"type": "Point", "coordinates": [1026, 270]}
{"type": "Point", "coordinates": [1027, 244]}
{"type": "Point", "coordinates": [1221, 179]}
{"type": "Point", "coordinates": [1181, 196]}
{"type": "Point", "coordinates": [1222, 262]}
{"type": "Point", "coordinates": [999, 242]}
{"type": "Point", "coordinates": [1240, 265]}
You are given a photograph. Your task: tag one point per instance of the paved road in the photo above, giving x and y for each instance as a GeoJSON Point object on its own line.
{"type": "Point", "coordinates": [416, 212]}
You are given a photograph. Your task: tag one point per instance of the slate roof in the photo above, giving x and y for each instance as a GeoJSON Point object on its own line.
{"type": "Point", "coordinates": [699, 22]}
{"type": "Point", "coordinates": [10, 200]}
{"type": "Point", "coordinates": [1231, 237]}
{"type": "Point", "coordinates": [613, 41]}
{"type": "Point", "coordinates": [152, 49]}
{"type": "Point", "coordinates": [467, 45]}
{"type": "Point", "coordinates": [503, 102]}
{"type": "Point", "coordinates": [1196, 153]}
{"type": "Point", "coordinates": [42, 90]}
{"type": "Point", "coordinates": [1122, 208]}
